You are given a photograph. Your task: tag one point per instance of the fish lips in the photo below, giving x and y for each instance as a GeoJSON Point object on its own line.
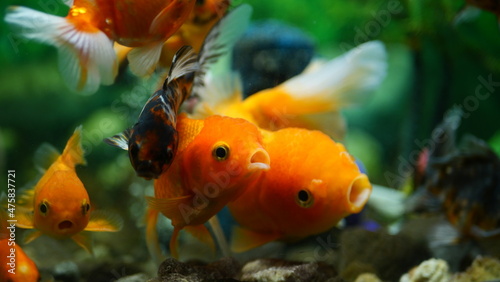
{"type": "Point", "coordinates": [259, 160]}
{"type": "Point", "coordinates": [149, 169]}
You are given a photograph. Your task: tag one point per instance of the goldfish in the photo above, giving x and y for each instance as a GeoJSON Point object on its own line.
{"type": "Point", "coordinates": [21, 268]}
{"type": "Point", "coordinates": [460, 181]}
{"type": "Point", "coordinates": [59, 205]}
{"type": "Point", "coordinates": [152, 142]}
{"type": "Point", "coordinates": [310, 100]}
{"type": "Point", "coordinates": [312, 184]}
{"type": "Point", "coordinates": [85, 36]}
{"type": "Point", "coordinates": [212, 167]}
{"type": "Point", "coordinates": [205, 14]}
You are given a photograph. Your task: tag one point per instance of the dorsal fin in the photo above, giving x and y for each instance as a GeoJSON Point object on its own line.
{"type": "Point", "coordinates": [73, 152]}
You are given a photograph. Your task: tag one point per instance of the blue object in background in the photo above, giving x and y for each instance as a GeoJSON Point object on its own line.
{"type": "Point", "coordinates": [269, 53]}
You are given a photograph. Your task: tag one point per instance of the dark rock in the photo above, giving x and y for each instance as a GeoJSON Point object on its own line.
{"type": "Point", "coordinates": [269, 53]}
{"type": "Point", "coordinates": [111, 272]}
{"type": "Point", "coordinates": [389, 255]}
{"type": "Point", "coordinates": [139, 277]}
{"type": "Point", "coordinates": [66, 271]}
{"type": "Point", "coordinates": [280, 270]}
{"type": "Point", "coordinates": [226, 269]}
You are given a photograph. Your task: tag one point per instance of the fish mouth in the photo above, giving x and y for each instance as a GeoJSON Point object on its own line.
{"type": "Point", "coordinates": [65, 224]}
{"type": "Point", "coordinates": [358, 193]}
{"type": "Point", "coordinates": [259, 160]}
{"type": "Point", "coordinates": [148, 169]}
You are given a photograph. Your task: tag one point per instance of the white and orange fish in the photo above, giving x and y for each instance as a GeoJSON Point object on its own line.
{"type": "Point", "coordinates": [192, 33]}
{"type": "Point", "coordinates": [311, 100]}
{"type": "Point", "coordinates": [85, 36]}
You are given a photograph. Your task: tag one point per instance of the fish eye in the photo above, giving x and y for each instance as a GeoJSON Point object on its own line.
{"type": "Point", "coordinates": [133, 149]}
{"type": "Point", "coordinates": [85, 207]}
{"type": "Point", "coordinates": [304, 198]}
{"type": "Point", "coordinates": [220, 152]}
{"type": "Point", "coordinates": [44, 207]}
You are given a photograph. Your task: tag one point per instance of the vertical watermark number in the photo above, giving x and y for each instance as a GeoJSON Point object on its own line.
{"type": "Point", "coordinates": [11, 221]}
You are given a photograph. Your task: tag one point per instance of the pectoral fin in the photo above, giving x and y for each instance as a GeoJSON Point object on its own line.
{"type": "Point", "coordinates": [84, 240]}
{"type": "Point", "coordinates": [201, 233]}
{"type": "Point", "coordinates": [120, 140]}
{"type": "Point", "coordinates": [24, 218]}
{"type": "Point", "coordinates": [104, 221]}
{"type": "Point", "coordinates": [174, 243]}
{"type": "Point", "coordinates": [152, 236]}
{"type": "Point", "coordinates": [178, 209]}
{"type": "Point", "coordinates": [31, 235]}
{"type": "Point", "coordinates": [244, 239]}
{"type": "Point", "coordinates": [173, 16]}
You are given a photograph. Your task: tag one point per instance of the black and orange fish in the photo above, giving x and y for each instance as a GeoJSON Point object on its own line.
{"type": "Point", "coordinates": [461, 181]}
{"type": "Point", "coordinates": [152, 142]}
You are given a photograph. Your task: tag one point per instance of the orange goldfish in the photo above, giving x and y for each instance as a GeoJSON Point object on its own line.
{"type": "Point", "coordinates": [217, 159]}
{"type": "Point", "coordinates": [192, 33]}
{"type": "Point", "coordinates": [152, 142]}
{"type": "Point", "coordinates": [309, 100]}
{"type": "Point", "coordinates": [15, 265]}
{"type": "Point", "coordinates": [312, 184]}
{"type": "Point", "coordinates": [85, 36]}
{"type": "Point", "coordinates": [59, 205]}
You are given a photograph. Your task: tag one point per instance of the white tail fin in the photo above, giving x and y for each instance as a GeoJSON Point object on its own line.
{"type": "Point", "coordinates": [344, 80]}
{"type": "Point", "coordinates": [86, 58]}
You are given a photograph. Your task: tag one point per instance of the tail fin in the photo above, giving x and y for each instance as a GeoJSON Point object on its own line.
{"type": "Point", "coordinates": [344, 80]}
{"type": "Point", "coordinates": [177, 86]}
{"type": "Point", "coordinates": [185, 62]}
{"type": "Point", "coordinates": [313, 99]}
{"type": "Point", "coordinates": [216, 52]}
{"type": "Point", "coordinates": [86, 55]}
{"type": "Point", "coordinates": [73, 152]}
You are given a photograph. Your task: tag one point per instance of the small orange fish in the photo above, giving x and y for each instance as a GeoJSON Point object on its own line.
{"type": "Point", "coordinates": [312, 184]}
{"type": "Point", "coordinates": [311, 100]}
{"type": "Point", "coordinates": [59, 205]}
{"type": "Point", "coordinates": [217, 159]}
{"type": "Point", "coordinates": [85, 36]}
{"type": "Point", "coordinates": [15, 265]}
